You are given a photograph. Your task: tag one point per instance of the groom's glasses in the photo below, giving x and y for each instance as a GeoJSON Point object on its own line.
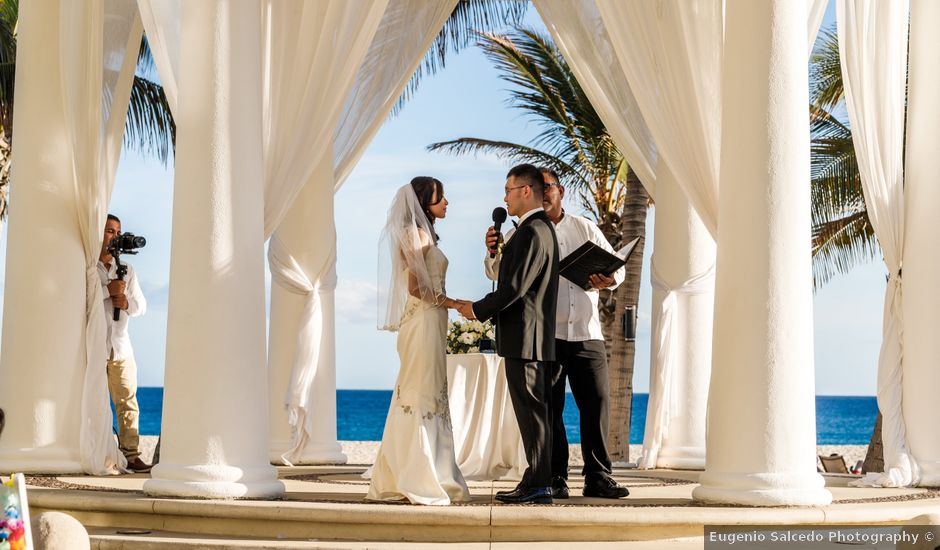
{"type": "Point", "coordinates": [508, 189]}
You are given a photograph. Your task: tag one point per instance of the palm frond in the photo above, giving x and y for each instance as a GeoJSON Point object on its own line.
{"type": "Point", "coordinates": [826, 90]}
{"type": "Point", "coordinates": [458, 32]}
{"type": "Point", "coordinates": [570, 175]}
{"type": "Point", "coordinates": [842, 244]}
{"type": "Point", "coordinates": [150, 127]}
{"type": "Point", "coordinates": [842, 233]}
{"type": "Point", "coordinates": [542, 87]}
{"type": "Point", "coordinates": [145, 63]}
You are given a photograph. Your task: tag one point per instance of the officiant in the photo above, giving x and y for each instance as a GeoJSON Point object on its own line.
{"type": "Point", "coordinates": [579, 349]}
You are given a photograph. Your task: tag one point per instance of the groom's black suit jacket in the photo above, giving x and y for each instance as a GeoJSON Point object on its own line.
{"type": "Point", "coordinates": [523, 303]}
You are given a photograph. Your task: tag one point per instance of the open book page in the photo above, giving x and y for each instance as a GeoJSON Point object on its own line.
{"type": "Point", "coordinates": [589, 259]}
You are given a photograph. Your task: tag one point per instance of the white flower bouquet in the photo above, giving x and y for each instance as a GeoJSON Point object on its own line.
{"type": "Point", "coordinates": [465, 336]}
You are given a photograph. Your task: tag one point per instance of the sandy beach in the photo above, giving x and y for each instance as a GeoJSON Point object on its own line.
{"type": "Point", "coordinates": [364, 452]}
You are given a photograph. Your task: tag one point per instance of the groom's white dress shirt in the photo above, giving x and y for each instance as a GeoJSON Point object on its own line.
{"type": "Point", "coordinates": [576, 315]}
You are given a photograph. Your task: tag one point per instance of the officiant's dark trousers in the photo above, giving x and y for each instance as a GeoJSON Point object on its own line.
{"type": "Point", "coordinates": [584, 365]}
{"type": "Point", "coordinates": [529, 385]}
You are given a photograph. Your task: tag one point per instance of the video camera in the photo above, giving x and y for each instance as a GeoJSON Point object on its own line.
{"type": "Point", "coordinates": [125, 243]}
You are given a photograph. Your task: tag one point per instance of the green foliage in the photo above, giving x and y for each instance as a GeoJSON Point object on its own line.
{"type": "Point", "coordinates": [843, 237]}
{"type": "Point", "coordinates": [573, 140]}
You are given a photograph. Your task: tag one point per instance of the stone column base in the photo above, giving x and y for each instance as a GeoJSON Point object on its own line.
{"type": "Point", "coordinates": [213, 481]}
{"type": "Point", "coordinates": [681, 458]}
{"type": "Point", "coordinates": [767, 489]}
{"type": "Point", "coordinates": [40, 460]}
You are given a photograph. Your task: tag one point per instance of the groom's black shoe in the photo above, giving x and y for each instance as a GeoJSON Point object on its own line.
{"type": "Point", "coordinates": [527, 495]}
{"type": "Point", "coordinates": [559, 487]}
{"type": "Point", "coordinates": [604, 487]}
{"type": "Point", "coordinates": [511, 491]}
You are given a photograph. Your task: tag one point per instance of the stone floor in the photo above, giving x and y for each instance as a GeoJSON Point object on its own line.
{"type": "Point", "coordinates": [324, 507]}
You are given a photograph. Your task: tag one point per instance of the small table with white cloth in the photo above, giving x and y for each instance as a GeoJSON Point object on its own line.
{"type": "Point", "coordinates": [487, 441]}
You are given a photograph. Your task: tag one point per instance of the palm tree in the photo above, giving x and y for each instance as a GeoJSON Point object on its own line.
{"type": "Point", "coordinates": [574, 142]}
{"type": "Point", "coordinates": [149, 128]}
{"type": "Point", "coordinates": [843, 236]}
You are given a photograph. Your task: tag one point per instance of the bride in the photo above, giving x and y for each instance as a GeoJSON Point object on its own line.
{"type": "Point", "coordinates": [416, 458]}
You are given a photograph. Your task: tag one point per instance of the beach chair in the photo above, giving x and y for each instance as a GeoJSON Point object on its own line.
{"type": "Point", "coordinates": [834, 464]}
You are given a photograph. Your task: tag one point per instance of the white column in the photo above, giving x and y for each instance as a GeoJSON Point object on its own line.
{"type": "Point", "coordinates": [215, 425]}
{"type": "Point", "coordinates": [43, 353]}
{"type": "Point", "coordinates": [308, 233]}
{"type": "Point", "coordinates": [921, 261]}
{"type": "Point", "coordinates": [685, 251]}
{"type": "Point", "coordinates": [761, 440]}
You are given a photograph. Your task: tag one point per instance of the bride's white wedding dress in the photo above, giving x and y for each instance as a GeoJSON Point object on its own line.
{"type": "Point", "coordinates": [416, 458]}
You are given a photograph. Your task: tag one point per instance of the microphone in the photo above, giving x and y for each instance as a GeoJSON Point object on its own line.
{"type": "Point", "coordinates": [499, 216]}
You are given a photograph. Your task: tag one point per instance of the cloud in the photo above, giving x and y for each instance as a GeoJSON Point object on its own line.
{"type": "Point", "coordinates": [156, 294]}
{"type": "Point", "coordinates": [356, 301]}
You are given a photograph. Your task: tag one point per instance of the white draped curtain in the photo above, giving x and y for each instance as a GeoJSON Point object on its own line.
{"type": "Point", "coordinates": [332, 72]}
{"type": "Point", "coordinates": [312, 53]}
{"type": "Point", "coordinates": [873, 51]}
{"type": "Point", "coordinates": [401, 34]}
{"type": "Point", "coordinates": [406, 32]}
{"type": "Point", "coordinates": [98, 52]}
{"type": "Point", "coordinates": [670, 53]}
{"type": "Point", "coordinates": [580, 34]}
{"type": "Point", "coordinates": [667, 124]}
{"type": "Point", "coordinates": [161, 20]}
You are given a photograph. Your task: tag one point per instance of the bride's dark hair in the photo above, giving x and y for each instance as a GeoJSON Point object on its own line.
{"type": "Point", "coordinates": [424, 187]}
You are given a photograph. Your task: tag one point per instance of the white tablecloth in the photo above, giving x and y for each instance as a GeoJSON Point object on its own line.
{"type": "Point", "coordinates": [486, 436]}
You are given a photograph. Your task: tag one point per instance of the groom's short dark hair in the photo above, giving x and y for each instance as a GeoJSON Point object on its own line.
{"type": "Point", "coordinates": [528, 174]}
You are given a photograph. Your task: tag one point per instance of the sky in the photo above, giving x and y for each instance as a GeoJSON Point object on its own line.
{"type": "Point", "coordinates": [466, 99]}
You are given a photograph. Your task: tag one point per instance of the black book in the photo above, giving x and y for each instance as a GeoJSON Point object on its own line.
{"type": "Point", "coordinates": [589, 259]}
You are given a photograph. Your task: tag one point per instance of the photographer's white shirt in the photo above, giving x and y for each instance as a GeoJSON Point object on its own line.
{"type": "Point", "coordinates": [576, 316]}
{"type": "Point", "coordinates": [118, 340]}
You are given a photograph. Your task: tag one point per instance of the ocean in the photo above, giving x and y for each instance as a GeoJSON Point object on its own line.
{"type": "Point", "coordinates": [360, 416]}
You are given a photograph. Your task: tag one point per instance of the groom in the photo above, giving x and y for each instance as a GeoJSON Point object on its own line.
{"type": "Point", "coordinates": [524, 309]}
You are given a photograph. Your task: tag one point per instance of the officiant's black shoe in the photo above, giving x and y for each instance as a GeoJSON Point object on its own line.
{"type": "Point", "coordinates": [604, 487]}
{"type": "Point", "coordinates": [559, 487]}
{"type": "Point", "coordinates": [528, 495]}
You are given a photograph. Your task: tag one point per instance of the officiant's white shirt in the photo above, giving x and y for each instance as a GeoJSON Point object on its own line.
{"type": "Point", "coordinates": [576, 315]}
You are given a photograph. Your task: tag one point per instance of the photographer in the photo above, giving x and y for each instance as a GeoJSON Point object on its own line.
{"type": "Point", "coordinates": [125, 296]}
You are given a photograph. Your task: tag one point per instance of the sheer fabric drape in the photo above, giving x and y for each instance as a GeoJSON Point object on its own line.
{"type": "Point", "coordinates": [580, 34]}
{"type": "Point", "coordinates": [670, 52]}
{"type": "Point", "coordinates": [406, 32]}
{"type": "Point", "coordinates": [98, 51]}
{"type": "Point", "coordinates": [873, 52]}
{"type": "Point", "coordinates": [352, 71]}
{"type": "Point", "coordinates": [161, 20]}
{"type": "Point", "coordinates": [311, 54]}
{"type": "Point", "coordinates": [667, 125]}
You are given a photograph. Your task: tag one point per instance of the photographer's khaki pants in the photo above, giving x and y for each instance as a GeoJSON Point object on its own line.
{"type": "Point", "coordinates": [122, 383]}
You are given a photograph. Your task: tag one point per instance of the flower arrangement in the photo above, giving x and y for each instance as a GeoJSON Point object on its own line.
{"type": "Point", "coordinates": [465, 336]}
{"type": "Point", "coordinates": [13, 527]}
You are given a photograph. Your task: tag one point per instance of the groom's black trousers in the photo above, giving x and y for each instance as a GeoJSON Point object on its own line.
{"type": "Point", "coordinates": [584, 364]}
{"type": "Point", "coordinates": [529, 385]}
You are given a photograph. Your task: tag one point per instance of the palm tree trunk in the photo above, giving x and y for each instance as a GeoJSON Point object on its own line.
{"type": "Point", "coordinates": [621, 352]}
{"type": "Point", "coordinates": [874, 457]}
